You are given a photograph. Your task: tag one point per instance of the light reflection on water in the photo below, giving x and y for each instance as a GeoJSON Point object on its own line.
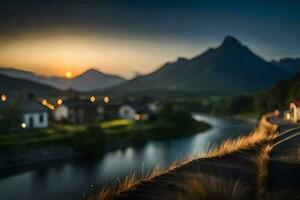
{"type": "Point", "coordinates": [70, 180]}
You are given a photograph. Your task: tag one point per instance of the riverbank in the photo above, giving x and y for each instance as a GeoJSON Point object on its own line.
{"type": "Point", "coordinates": [58, 180]}
{"type": "Point", "coordinates": [71, 142]}
{"type": "Point", "coordinates": [231, 171]}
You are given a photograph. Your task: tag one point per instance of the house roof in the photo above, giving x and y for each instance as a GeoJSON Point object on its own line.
{"type": "Point", "coordinates": [24, 106]}
{"type": "Point", "coordinates": [139, 106]}
{"type": "Point", "coordinates": [297, 103]}
{"type": "Point", "coordinates": [31, 106]}
{"type": "Point", "coordinates": [79, 103]}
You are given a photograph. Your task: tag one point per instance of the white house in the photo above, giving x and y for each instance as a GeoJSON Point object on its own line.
{"type": "Point", "coordinates": [287, 115]}
{"type": "Point", "coordinates": [134, 111]}
{"type": "Point", "coordinates": [295, 111]}
{"type": "Point", "coordinates": [155, 106]}
{"type": "Point", "coordinates": [60, 113]}
{"type": "Point", "coordinates": [33, 114]}
{"type": "Point", "coordinates": [76, 111]}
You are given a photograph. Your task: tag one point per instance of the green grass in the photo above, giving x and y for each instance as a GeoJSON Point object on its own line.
{"type": "Point", "coordinates": [33, 138]}
{"type": "Point", "coordinates": [118, 123]}
{"type": "Point", "coordinates": [96, 138]}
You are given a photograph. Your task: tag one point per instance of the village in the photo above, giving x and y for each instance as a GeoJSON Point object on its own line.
{"type": "Point", "coordinates": [76, 109]}
{"type": "Point", "coordinates": [73, 109]}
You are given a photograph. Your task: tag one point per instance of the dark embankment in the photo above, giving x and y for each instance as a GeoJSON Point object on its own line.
{"type": "Point", "coordinates": [227, 172]}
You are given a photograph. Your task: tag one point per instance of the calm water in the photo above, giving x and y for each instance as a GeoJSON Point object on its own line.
{"type": "Point", "coordinates": [69, 181]}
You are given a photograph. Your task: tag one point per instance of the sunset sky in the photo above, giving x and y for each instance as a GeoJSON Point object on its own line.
{"type": "Point", "coordinates": [128, 36]}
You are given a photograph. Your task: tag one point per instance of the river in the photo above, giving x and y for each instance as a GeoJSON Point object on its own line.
{"type": "Point", "coordinates": [69, 181]}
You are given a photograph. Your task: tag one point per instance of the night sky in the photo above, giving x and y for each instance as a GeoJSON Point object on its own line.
{"type": "Point", "coordinates": [128, 36]}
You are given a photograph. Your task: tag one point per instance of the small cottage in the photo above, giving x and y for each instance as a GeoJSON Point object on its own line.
{"type": "Point", "coordinates": [295, 111]}
{"type": "Point", "coordinates": [34, 114]}
{"type": "Point", "coordinates": [287, 115]}
{"type": "Point", "coordinates": [155, 106]}
{"type": "Point", "coordinates": [28, 113]}
{"type": "Point", "coordinates": [76, 111]}
{"type": "Point", "coordinates": [134, 111]}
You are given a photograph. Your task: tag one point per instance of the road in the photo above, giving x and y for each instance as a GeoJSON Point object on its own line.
{"type": "Point", "coordinates": [284, 165]}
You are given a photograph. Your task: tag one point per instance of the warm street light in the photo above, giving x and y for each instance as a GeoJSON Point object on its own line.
{"type": "Point", "coordinates": [92, 99]}
{"type": "Point", "coordinates": [106, 99]}
{"type": "Point", "coordinates": [59, 101]}
{"type": "Point", "coordinates": [3, 97]}
{"type": "Point", "coordinates": [137, 117]}
{"type": "Point", "coordinates": [44, 102]}
{"type": "Point", "coordinates": [23, 125]}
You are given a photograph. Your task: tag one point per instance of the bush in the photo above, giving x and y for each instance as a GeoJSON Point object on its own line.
{"type": "Point", "coordinates": [90, 142]}
{"type": "Point", "coordinates": [11, 119]}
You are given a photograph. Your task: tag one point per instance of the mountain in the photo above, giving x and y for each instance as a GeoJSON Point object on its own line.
{"type": "Point", "coordinates": [88, 81]}
{"type": "Point", "coordinates": [95, 80]}
{"type": "Point", "coordinates": [19, 87]}
{"type": "Point", "coordinates": [291, 64]}
{"type": "Point", "coordinates": [230, 68]}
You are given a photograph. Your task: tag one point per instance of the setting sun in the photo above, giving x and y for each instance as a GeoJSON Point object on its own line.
{"type": "Point", "coordinates": [68, 74]}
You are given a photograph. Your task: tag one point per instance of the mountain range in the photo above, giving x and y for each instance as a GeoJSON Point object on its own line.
{"type": "Point", "coordinates": [291, 64]}
{"type": "Point", "coordinates": [87, 81]}
{"type": "Point", "coordinates": [21, 87]}
{"type": "Point", "coordinates": [229, 69]}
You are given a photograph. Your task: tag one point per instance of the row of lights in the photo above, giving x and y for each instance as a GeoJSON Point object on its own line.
{"type": "Point", "coordinates": [59, 102]}
{"type": "Point", "coordinates": [105, 99]}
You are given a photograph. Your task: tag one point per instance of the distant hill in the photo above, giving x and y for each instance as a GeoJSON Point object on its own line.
{"type": "Point", "coordinates": [19, 87]}
{"type": "Point", "coordinates": [291, 64]}
{"type": "Point", "coordinates": [88, 81]}
{"type": "Point", "coordinates": [230, 68]}
{"type": "Point", "coordinates": [95, 80]}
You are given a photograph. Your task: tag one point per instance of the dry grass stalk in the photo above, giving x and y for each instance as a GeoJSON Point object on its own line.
{"type": "Point", "coordinates": [262, 172]}
{"type": "Point", "coordinates": [265, 131]}
{"type": "Point", "coordinates": [210, 187]}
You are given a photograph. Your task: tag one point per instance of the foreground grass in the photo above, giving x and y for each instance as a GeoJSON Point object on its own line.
{"type": "Point", "coordinates": [262, 172]}
{"type": "Point", "coordinates": [264, 132]}
{"type": "Point", "coordinates": [213, 188]}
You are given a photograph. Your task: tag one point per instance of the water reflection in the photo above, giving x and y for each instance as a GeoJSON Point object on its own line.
{"type": "Point", "coordinates": [71, 180]}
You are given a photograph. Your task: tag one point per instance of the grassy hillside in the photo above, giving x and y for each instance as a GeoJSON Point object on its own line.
{"type": "Point", "coordinates": [17, 87]}
{"type": "Point", "coordinates": [277, 97]}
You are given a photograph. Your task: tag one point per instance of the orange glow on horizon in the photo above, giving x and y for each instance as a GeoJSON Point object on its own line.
{"type": "Point", "coordinates": [52, 54]}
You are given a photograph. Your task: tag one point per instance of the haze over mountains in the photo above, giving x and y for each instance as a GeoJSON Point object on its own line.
{"type": "Point", "coordinates": [231, 68]}
{"type": "Point", "coordinates": [87, 81]}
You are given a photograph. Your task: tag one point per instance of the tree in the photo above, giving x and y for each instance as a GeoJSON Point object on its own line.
{"type": "Point", "coordinates": [11, 118]}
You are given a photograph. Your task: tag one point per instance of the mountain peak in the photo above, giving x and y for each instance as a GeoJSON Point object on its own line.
{"type": "Point", "coordinates": [230, 41]}
{"type": "Point", "coordinates": [92, 70]}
